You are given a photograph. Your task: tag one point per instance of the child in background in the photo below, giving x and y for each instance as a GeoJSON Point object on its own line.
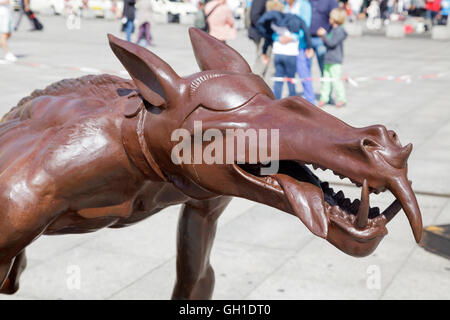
{"type": "Point", "coordinates": [334, 41]}
{"type": "Point", "coordinates": [445, 10]}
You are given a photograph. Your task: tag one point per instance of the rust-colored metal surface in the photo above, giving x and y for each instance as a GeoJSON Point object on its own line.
{"type": "Point", "coordinates": [95, 152]}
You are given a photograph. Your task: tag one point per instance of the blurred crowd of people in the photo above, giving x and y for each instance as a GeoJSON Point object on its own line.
{"type": "Point", "coordinates": [435, 11]}
{"type": "Point", "coordinates": [287, 33]}
{"type": "Point", "coordinates": [7, 24]}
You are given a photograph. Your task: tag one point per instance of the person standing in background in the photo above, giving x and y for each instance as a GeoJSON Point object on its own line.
{"type": "Point", "coordinates": [247, 8]}
{"type": "Point", "coordinates": [25, 10]}
{"type": "Point", "coordinates": [320, 17]}
{"type": "Point", "coordinates": [273, 25]}
{"type": "Point", "coordinates": [257, 9]}
{"type": "Point", "coordinates": [6, 29]}
{"type": "Point", "coordinates": [302, 8]}
{"type": "Point", "coordinates": [114, 9]}
{"type": "Point", "coordinates": [128, 16]}
{"type": "Point", "coordinates": [234, 6]}
{"type": "Point", "coordinates": [334, 41]}
{"type": "Point", "coordinates": [445, 4]}
{"type": "Point", "coordinates": [260, 67]}
{"type": "Point", "coordinates": [433, 7]}
{"type": "Point", "coordinates": [144, 11]}
{"type": "Point", "coordinates": [24, 6]}
{"type": "Point", "coordinates": [221, 20]}
{"type": "Point", "coordinates": [355, 6]}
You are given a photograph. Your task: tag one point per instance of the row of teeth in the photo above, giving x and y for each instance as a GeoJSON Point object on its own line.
{"type": "Point", "coordinates": [350, 218]}
{"type": "Point", "coordinates": [356, 183]}
{"type": "Point", "coordinates": [358, 213]}
{"type": "Point", "coordinates": [346, 203]}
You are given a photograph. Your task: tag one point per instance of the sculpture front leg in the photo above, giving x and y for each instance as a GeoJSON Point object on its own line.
{"type": "Point", "coordinates": [11, 283]}
{"type": "Point", "coordinates": [196, 231]}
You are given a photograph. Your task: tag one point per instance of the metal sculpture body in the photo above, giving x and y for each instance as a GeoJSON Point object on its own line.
{"type": "Point", "coordinates": [95, 152]}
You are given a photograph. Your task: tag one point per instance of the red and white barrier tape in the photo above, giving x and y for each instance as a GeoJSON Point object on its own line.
{"type": "Point", "coordinates": [50, 66]}
{"type": "Point", "coordinates": [407, 78]}
{"type": "Point", "coordinates": [352, 81]}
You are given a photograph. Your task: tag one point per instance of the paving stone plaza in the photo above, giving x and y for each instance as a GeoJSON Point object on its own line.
{"type": "Point", "coordinates": [259, 252]}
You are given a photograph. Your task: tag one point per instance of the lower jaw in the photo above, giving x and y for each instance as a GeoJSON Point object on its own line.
{"type": "Point", "coordinates": [351, 245]}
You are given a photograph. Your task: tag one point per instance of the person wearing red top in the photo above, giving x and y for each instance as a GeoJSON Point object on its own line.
{"type": "Point", "coordinates": [433, 7]}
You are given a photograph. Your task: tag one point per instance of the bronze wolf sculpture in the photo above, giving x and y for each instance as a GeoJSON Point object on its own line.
{"type": "Point", "coordinates": [95, 152]}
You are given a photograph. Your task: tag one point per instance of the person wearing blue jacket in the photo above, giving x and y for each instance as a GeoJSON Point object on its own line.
{"type": "Point", "coordinates": [273, 25]}
{"type": "Point", "coordinates": [445, 10]}
{"type": "Point", "coordinates": [292, 22]}
{"type": "Point", "coordinates": [301, 8]}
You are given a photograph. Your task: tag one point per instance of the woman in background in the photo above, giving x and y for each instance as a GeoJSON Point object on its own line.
{"type": "Point", "coordinates": [6, 29]}
{"type": "Point", "coordinates": [143, 17]}
{"type": "Point", "coordinates": [220, 20]}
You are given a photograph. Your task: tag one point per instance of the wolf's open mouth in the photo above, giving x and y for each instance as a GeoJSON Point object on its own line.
{"type": "Point", "coordinates": [356, 217]}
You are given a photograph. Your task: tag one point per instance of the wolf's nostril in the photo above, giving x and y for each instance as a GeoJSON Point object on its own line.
{"type": "Point", "coordinates": [369, 143]}
{"type": "Point", "coordinates": [392, 134]}
{"type": "Point", "coordinates": [394, 138]}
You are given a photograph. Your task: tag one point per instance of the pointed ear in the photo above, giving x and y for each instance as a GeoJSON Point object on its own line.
{"type": "Point", "coordinates": [212, 54]}
{"type": "Point", "coordinates": [156, 81]}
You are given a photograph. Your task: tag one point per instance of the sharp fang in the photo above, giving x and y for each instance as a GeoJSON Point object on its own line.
{"type": "Point", "coordinates": [363, 212]}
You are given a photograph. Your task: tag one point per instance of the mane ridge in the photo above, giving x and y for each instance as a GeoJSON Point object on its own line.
{"type": "Point", "coordinates": [98, 86]}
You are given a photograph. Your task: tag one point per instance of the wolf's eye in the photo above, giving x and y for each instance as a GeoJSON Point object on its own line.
{"type": "Point", "coordinates": [230, 91]}
{"type": "Point", "coordinates": [224, 107]}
